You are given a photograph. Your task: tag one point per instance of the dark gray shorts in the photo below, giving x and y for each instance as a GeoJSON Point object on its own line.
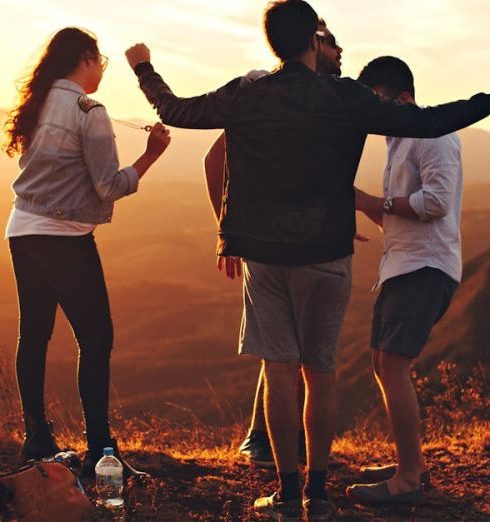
{"type": "Point", "coordinates": [295, 313]}
{"type": "Point", "coordinates": [407, 308]}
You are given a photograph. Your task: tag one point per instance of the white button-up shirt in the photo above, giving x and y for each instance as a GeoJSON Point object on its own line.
{"type": "Point", "coordinates": [429, 172]}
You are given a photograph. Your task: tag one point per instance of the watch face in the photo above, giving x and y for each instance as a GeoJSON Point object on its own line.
{"type": "Point", "coordinates": [388, 205]}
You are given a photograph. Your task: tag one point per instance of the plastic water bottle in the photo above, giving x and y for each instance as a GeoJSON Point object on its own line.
{"type": "Point", "coordinates": [109, 482]}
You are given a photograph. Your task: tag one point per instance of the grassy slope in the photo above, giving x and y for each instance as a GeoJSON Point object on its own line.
{"type": "Point", "coordinates": [196, 475]}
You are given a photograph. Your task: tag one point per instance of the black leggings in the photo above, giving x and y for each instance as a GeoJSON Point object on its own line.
{"type": "Point", "coordinates": [64, 270]}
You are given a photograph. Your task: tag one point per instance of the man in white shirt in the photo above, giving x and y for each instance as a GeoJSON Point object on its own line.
{"type": "Point", "coordinates": [419, 272]}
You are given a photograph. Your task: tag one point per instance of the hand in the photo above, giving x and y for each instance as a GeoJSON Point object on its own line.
{"type": "Point", "coordinates": [362, 199]}
{"type": "Point", "coordinates": [233, 265]}
{"type": "Point", "coordinates": [370, 205]}
{"type": "Point", "coordinates": [137, 54]}
{"type": "Point", "coordinates": [158, 140]}
{"type": "Point", "coordinates": [377, 216]}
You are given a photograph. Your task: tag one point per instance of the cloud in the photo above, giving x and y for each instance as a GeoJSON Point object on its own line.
{"type": "Point", "coordinates": [200, 44]}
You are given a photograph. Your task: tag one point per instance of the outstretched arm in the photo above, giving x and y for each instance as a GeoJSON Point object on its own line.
{"type": "Point", "coordinates": [370, 114]}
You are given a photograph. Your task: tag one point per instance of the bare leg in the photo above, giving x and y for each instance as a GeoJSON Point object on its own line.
{"type": "Point", "coordinates": [257, 422]}
{"type": "Point", "coordinates": [281, 409]}
{"type": "Point", "coordinates": [320, 414]}
{"type": "Point", "coordinates": [403, 413]}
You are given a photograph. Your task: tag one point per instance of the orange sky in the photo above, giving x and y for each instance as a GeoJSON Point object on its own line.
{"type": "Point", "coordinates": [200, 44]}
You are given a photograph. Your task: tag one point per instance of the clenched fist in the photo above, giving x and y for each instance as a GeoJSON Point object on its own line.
{"type": "Point", "coordinates": [158, 140]}
{"type": "Point", "coordinates": [137, 54]}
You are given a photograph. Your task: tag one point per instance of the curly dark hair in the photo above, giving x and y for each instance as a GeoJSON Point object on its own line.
{"type": "Point", "coordinates": [61, 57]}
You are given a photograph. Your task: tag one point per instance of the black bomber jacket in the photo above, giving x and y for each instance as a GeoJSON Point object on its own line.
{"type": "Point", "coordinates": [293, 144]}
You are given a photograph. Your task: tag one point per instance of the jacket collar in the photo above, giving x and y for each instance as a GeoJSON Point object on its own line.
{"type": "Point", "coordinates": [68, 85]}
{"type": "Point", "coordinates": [294, 66]}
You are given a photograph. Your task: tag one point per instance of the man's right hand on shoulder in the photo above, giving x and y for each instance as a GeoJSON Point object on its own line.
{"type": "Point", "coordinates": [138, 53]}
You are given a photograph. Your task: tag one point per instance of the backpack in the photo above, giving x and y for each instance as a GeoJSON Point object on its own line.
{"type": "Point", "coordinates": [42, 492]}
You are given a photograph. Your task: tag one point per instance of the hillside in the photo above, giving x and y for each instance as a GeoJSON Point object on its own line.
{"type": "Point", "coordinates": [176, 318]}
{"type": "Point", "coordinates": [197, 475]}
{"type": "Point", "coordinates": [463, 336]}
{"type": "Point", "coordinates": [182, 397]}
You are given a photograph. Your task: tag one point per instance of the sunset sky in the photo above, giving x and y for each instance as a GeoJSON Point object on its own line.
{"type": "Point", "coordinates": [198, 45]}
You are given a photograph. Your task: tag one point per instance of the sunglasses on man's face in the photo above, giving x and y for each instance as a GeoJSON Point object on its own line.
{"type": "Point", "coordinates": [329, 39]}
{"type": "Point", "coordinates": [104, 62]}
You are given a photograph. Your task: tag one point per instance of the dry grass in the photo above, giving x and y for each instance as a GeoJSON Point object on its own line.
{"type": "Point", "coordinates": [196, 474]}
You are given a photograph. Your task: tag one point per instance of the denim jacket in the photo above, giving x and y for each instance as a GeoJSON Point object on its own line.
{"type": "Point", "coordinates": [293, 144]}
{"type": "Point", "coordinates": [70, 170]}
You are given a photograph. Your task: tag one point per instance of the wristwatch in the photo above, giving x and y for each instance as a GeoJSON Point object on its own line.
{"type": "Point", "coordinates": [388, 205]}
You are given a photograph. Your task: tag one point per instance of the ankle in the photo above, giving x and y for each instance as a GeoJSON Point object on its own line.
{"type": "Point", "coordinates": [289, 486]}
{"type": "Point", "coordinates": [315, 484]}
{"type": "Point", "coordinates": [413, 469]}
{"type": "Point", "coordinates": [410, 480]}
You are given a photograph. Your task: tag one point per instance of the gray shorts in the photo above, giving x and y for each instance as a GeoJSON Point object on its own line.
{"type": "Point", "coordinates": [295, 313]}
{"type": "Point", "coordinates": [407, 308]}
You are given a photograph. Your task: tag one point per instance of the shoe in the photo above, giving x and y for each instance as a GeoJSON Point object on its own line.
{"type": "Point", "coordinates": [283, 511]}
{"type": "Point", "coordinates": [375, 494]}
{"type": "Point", "coordinates": [93, 455]}
{"type": "Point", "coordinates": [373, 474]}
{"type": "Point", "coordinates": [39, 444]}
{"type": "Point", "coordinates": [257, 448]}
{"type": "Point", "coordinates": [318, 509]}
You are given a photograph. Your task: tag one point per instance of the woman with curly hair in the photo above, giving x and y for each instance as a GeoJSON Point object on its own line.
{"type": "Point", "coordinates": [68, 182]}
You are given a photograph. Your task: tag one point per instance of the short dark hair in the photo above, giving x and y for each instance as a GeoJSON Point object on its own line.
{"type": "Point", "coordinates": [391, 73]}
{"type": "Point", "coordinates": [289, 26]}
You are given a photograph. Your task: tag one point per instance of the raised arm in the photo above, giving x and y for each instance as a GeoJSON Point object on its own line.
{"type": "Point", "coordinates": [208, 111]}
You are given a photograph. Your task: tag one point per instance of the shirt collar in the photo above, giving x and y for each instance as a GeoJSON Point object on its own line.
{"type": "Point", "coordinates": [68, 85]}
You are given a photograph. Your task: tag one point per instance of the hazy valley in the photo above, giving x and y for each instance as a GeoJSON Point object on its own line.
{"type": "Point", "coordinates": [176, 318]}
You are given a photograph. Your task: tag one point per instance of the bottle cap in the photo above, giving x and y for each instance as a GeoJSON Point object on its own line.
{"type": "Point", "coordinates": [108, 452]}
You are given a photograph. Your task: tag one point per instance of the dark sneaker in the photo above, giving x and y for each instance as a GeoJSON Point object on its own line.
{"type": "Point", "coordinates": [379, 494]}
{"type": "Point", "coordinates": [257, 448]}
{"type": "Point", "coordinates": [93, 455]}
{"type": "Point", "coordinates": [373, 474]}
{"type": "Point", "coordinates": [283, 511]}
{"type": "Point", "coordinates": [40, 444]}
{"type": "Point", "coordinates": [318, 509]}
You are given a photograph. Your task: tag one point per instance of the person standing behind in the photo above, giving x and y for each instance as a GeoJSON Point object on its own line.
{"type": "Point", "coordinates": [68, 183]}
{"type": "Point", "coordinates": [419, 272]}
